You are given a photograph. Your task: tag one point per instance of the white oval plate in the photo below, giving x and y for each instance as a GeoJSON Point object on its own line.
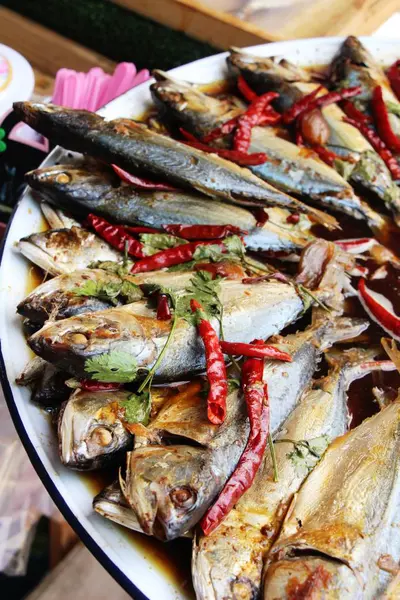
{"type": "Point", "coordinates": [128, 561]}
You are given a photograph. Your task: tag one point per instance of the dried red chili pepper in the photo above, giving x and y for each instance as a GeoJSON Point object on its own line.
{"type": "Point", "coordinates": [325, 100]}
{"type": "Point", "coordinates": [139, 229]}
{"type": "Point", "coordinates": [261, 216]}
{"type": "Point", "coordinates": [293, 218]}
{"type": "Point", "coordinates": [239, 158]}
{"type": "Point", "coordinates": [378, 145]}
{"type": "Point", "coordinates": [389, 321]}
{"type": "Point", "coordinates": [298, 107]}
{"type": "Point", "coordinates": [254, 351]}
{"type": "Point", "coordinates": [245, 89]}
{"type": "Point", "coordinates": [170, 257]}
{"type": "Point", "coordinates": [163, 309]}
{"type": "Point", "coordinates": [256, 397]}
{"type": "Point", "coordinates": [88, 385]}
{"type": "Point", "coordinates": [382, 122]}
{"type": "Point", "coordinates": [203, 232]}
{"type": "Point", "coordinates": [220, 131]}
{"type": "Point", "coordinates": [356, 245]}
{"type": "Point", "coordinates": [215, 366]}
{"type": "Point", "coordinates": [353, 112]}
{"type": "Point", "coordinates": [250, 119]}
{"type": "Point", "coordinates": [116, 236]}
{"type": "Point", "coordinates": [394, 77]}
{"type": "Point", "coordinates": [141, 182]}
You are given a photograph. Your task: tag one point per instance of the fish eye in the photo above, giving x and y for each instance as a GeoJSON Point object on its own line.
{"type": "Point", "coordinates": [101, 436]}
{"type": "Point", "coordinates": [63, 178]}
{"type": "Point", "coordinates": [183, 497]}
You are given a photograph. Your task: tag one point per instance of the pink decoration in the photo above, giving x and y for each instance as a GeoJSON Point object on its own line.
{"type": "Point", "coordinates": [95, 89]}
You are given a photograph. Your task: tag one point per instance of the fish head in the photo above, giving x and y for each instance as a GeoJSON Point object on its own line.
{"type": "Point", "coordinates": [91, 435]}
{"type": "Point", "coordinates": [69, 343]}
{"type": "Point", "coordinates": [189, 107]}
{"type": "Point", "coordinates": [61, 184]}
{"type": "Point", "coordinates": [59, 251]}
{"type": "Point", "coordinates": [169, 488]}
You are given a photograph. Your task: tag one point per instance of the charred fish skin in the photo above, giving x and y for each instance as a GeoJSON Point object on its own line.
{"type": "Point", "coordinates": [126, 205]}
{"type": "Point", "coordinates": [91, 435]}
{"type": "Point", "coordinates": [352, 534]}
{"type": "Point", "coordinates": [231, 558]}
{"type": "Point", "coordinates": [287, 167]}
{"type": "Point", "coordinates": [60, 251]}
{"type": "Point", "coordinates": [131, 145]}
{"type": "Point", "coordinates": [249, 311]}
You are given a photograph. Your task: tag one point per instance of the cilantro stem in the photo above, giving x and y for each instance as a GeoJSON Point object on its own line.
{"type": "Point", "coordinates": [273, 456]}
{"type": "Point", "coordinates": [257, 266]}
{"type": "Point", "coordinates": [304, 290]}
{"type": "Point", "coordinates": [303, 443]}
{"type": "Point", "coordinates": [154, 368]}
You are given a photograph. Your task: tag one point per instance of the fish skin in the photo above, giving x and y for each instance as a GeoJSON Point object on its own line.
{"type": "Point", "coordinates": [231, 558]}
{"type": "Point", "coordinates": [131, 145]}
{"type": "Point", "coordinates": [217, 448]}
{"type": "Point", "coordinates": [59, 251]}
{"type": "Point", "coordinates": [370, 170]}
{"type": "Point", "coordinates": [111, 504]}
{"type": "Point", "coordinates": [288, 167]}
{"type": "Point", "coordinates": [127, 205]}
{"type": "Point", "coordinates": [91, 434]}
{"type": "Point", "coordinates": [249, 311]}
{"type": "Point", "coordinates": [343, 517]}
{"type": "Point", "coordinates": [54, 299]}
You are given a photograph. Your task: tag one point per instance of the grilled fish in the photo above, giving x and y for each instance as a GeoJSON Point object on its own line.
{"type": "Point", "coordinates": [90, 431]}
{"type": "Point", "coordinates": [369, 170]}
{"type": "Point", "coordinates": [131, 145]}
{"type": "Point", "coordinates": [82, 190]}
{"type": "Point", "coordinates": [56, 218]}
{"type": "Point", "coordinates": [46, 381]}
{"type": "Point", "coordinates": [59, 251]}
{"type": "Point", "coordinates": [288, 167]}
{"type": "Point", "coordinates": [155, 474]}
{"type": "Point", "coordinates": [111, 504]}
{"type": "Point", "coordinates": [249, 311]}
{"type": "Point", "coordinates": [230, 560]}
{"type": "Point", "coordinates": [355, 66]}
{"type": "Point", "coordinates": [339, 526]}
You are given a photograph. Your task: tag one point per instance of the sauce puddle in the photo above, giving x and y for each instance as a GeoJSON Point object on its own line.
{"type": "Point", "coordinates": [172, 559]}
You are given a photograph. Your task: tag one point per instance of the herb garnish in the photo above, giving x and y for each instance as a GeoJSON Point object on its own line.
{"type": "Point", "coordinates": [109, 291]}
{"type": "Point", "coordinates": [306, 453]}
{"type": "Point", "coordinates": [137, 408]}
{"type": "Point", "coordinates": [114, 366]}
{"type": "Point", "coordinates": [156, 242]}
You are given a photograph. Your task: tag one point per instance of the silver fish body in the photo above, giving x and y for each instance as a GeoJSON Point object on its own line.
{"type": "Point", "coordinates": [90, 431]}
{"type": "Point", "coordinates": [131, 145]}
{"type": "Point", "coordinates": [249, 311]}
{"type": "Point", "coordinates": [155, 472]}
{"type": "Point", "coordinates": [60, 251]}
{"type": "Point", "coordinates": [231, 558]}
{"type": "Point", "coordinates": [339, 525]}
{"type": "Point", "coordinates": [111, 504]}
{"type": "Point", "coordinates": [125, 204]}
{"type": "Point", "coordinates": [369, 170]}
{"type": "Point", "coordinates": [288, 167]}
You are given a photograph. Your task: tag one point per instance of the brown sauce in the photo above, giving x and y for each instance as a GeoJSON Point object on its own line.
{"type": "Point", "coordinates": [361, 400]}
{"type": "Point", "coordinates": [172, 559]}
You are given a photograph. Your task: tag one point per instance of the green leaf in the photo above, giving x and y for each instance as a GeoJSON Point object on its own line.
{"type": "Point", "coordinates": [307, 453]}
{"type": "Point", "coordinates": [114, 366]}
{"type": "Point", "coordinates": [235, 246]}
{"type": "Point", "coordinates": [203, 288]}
{"type": "Point", "coordinates": [393, 107]}
{"type": "Point", "coordinates": [233, 384]}
{"type": "Point", "coordinates": [111, 266]}
{"type": "Point", "coordinates": [137, 408]}
{"type": "Point", "coordinates": [208, 252]}
{"type": "Point", "coordinates": [187, 266]}
{"type": "Point", "coordinates": [156, 242]}
{"type": "Point", "coordinates": [109, 290]}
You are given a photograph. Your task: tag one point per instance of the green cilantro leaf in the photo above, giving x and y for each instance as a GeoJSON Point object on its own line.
{"type": "Point", "coordinates": [137, 408]}
{"type": "Point", "coordinates": [156, 242]}
{"type": "Point", "coordinates": [393, 107]}
{"type": "Point", "coordinates": [203, 288]}
{"type": "Point", "coordinates": [208, 252]}
{"type": "Point", "coordinates": [235, 246]}
{"type": "Point", "coordinates": [130, 292]}
{"type": "Point", "coordinates": [306, 453]}
{"type": "Point", "coordinates": [111, 266]}
{"type": "Point", "coordinates": [114, 366]}
{"type": "Point", "coordinates": [109, 290]}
